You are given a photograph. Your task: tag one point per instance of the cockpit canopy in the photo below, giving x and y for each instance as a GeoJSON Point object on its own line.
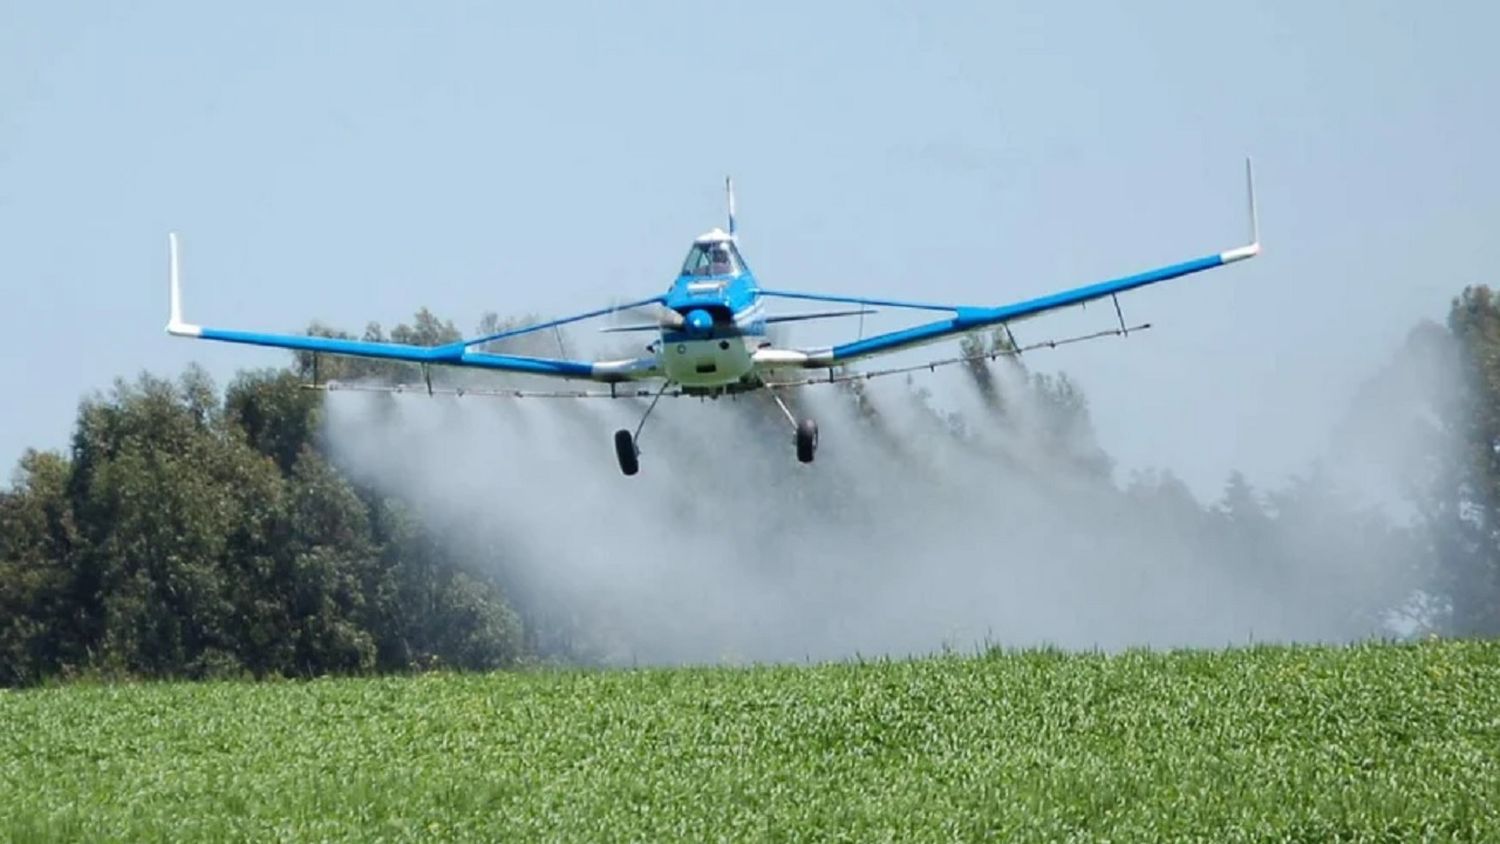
{"type": "Point", "coordinates": [712, 258]}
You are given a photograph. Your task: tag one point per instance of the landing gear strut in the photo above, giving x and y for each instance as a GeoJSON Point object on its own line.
{"type": "Point", "coordinates": [807, 431]}
{"type": "Point", "coordinates": [627, 445]}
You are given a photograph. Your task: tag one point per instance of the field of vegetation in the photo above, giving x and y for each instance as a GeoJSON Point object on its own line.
{"type": "Point", "coordinates": [1375, 742]}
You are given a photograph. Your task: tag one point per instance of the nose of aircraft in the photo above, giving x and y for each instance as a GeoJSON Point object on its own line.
{"type": "Point", "coordinates": [699, 322]}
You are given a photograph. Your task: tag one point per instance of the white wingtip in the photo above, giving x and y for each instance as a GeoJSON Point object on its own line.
{"type": "Point", "coordinates": [1250, 190]}
{"type": "Point", "coordinates": [1253, 248]}
{"type": "Point", "coordinates": [175, 324]}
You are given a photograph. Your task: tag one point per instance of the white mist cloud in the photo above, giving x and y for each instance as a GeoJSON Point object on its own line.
{"type": "Point", "coordinates": [903, 537]}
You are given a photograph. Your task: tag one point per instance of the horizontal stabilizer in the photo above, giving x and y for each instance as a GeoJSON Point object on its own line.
{"type": "Point", "coordinates": [820, 315]}
{"type": "Point", "coordinates": [648, 326]}
{"type": "Point", "coordinates": [769, 320]}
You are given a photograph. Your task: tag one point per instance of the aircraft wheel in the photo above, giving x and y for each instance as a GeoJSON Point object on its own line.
{"type": "Point", "coordinates": [630, 459]}
{"type": "Point", "coordinates": [807, 440]}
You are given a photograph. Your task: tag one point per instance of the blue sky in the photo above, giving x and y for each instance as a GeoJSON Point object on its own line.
{"type": "Point", "coordinates": [351, 162]}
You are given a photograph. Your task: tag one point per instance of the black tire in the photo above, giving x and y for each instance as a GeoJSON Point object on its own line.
{"type": "Point", "coordinates": [630, 459]}
{"type": "Point", "coordinates": [807, 440]}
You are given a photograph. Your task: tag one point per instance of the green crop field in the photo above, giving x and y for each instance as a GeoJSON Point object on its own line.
{"type": "Point", "coordinates": [1311, 744]}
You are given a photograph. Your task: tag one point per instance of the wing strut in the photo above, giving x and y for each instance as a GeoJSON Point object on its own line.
{"type": "Point", "coordinates": [1120, 315]}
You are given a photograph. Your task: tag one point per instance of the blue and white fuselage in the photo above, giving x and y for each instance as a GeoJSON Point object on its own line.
{"type": "Point", "coordinates": [718, 318]}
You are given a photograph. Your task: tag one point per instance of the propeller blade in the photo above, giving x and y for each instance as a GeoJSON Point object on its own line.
{"type": "Point", "coordinates": [666, 318]}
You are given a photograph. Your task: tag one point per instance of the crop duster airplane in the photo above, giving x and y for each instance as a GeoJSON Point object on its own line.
{"type": "Point", "coordinates": [711, 328]}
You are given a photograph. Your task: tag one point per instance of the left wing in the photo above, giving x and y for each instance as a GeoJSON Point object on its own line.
{"type": "Point", "coordinates": [968, 319]}
{"type": "Point", "coordinates": [461, 353]}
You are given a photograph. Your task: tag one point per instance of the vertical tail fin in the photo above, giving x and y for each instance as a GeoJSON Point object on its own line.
{"type": "Point", "coordinates": [729, 197]}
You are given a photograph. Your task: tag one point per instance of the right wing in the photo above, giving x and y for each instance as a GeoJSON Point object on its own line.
{"type": "Point", "coordinates": [461, 353]}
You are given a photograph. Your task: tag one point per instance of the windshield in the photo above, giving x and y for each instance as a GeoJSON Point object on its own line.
{"type": "Point", "coordinates": [716, 258]}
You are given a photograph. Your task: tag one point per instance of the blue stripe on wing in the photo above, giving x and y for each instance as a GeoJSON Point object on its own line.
{"type": "Point", "coordinates": [969, 319]}
{"type": "Point", "coordinates": [454, 354]}
{"type": "Point", "coordinates": [331, 345]}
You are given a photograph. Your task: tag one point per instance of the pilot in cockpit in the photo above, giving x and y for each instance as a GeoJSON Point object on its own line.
{"type": "Point", "coordinates": [710, 259]}
{"type": "Point", "coordinates": [719, 262]}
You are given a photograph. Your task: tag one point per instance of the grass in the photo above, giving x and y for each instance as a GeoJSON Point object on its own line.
{"type": "Point", "coordinates": [1372, 742]}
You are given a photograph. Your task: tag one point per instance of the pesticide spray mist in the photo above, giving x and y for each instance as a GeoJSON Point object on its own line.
{"type": "Point", "coordinates": [987, 518]}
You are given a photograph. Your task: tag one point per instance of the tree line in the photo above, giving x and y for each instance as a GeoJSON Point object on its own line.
{"type": "Point", "coordinates": [192, 532]}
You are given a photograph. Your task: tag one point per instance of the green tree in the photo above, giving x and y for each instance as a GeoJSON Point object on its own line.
{"type": "Point", "coordinates": [1464, 512]}
{"type": "Point", "coordinates": [38, 537]}
{"type": "Point", "coordinates": [190, 536]}
{"type": "Point", "coordinates": [278, 418]}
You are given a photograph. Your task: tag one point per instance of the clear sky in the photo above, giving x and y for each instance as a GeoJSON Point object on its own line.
{"type": "Point", "coordinates": [353, 161]}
